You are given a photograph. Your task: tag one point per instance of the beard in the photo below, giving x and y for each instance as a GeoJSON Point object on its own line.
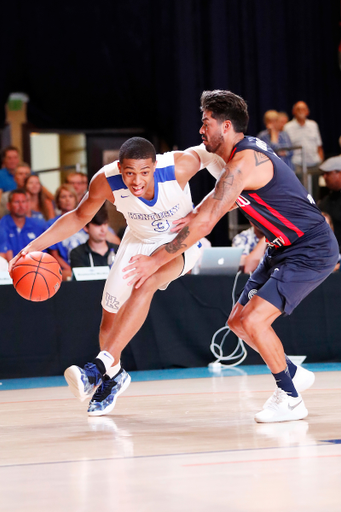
{"type": "Point", "coordinates": [214, 144]}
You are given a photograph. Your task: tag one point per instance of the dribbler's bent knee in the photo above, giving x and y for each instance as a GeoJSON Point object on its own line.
{"type": "Point", "coordinates": [149, 287]}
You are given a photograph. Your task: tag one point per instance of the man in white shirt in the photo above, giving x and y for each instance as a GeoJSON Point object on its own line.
{"type": "Point", "coordinates": [305, 132]}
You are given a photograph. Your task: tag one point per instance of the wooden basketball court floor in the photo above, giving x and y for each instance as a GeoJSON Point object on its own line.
{"type": "Point", "coordinates": [178, 440]}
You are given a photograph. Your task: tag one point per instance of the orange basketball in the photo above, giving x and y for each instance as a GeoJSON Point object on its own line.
{"type": "Point", "coordinates": [37, 276]}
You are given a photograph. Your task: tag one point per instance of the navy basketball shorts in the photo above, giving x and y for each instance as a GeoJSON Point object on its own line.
{"type": "Point", "coordinates": [288, 274]}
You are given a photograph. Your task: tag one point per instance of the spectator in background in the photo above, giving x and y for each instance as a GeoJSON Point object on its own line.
{"type": "Point", "coordinates": [121, 231]}
{"type": "Point", "coordinates": [283, 118]}
{"type": "Point", "coordinates": [305, 132]}
{"type": "Point", "coordinates": [253, 242]}
{"type": "Point", "coordinates": [79, 182]}
{"type": "Point", "coordinates": [18, 229]}
{"type": "Point", "coordinates": [21, 172]}
{"type": "Point", "coordinates": [3, 264]}
{"type": "Point", "coordinates": [5, 253]}
{"type": "Point", "coordinates": [96, 251]}
{"type": "Point", "coordinates": [331, 204]}
{"type": "Point", "coordinates": [330, 222]}
{"type": "Point", "coordinates": [10, 159]}
{"type": "Point", "coordinates": [40, 207]}
{"type": "Point", "coordinates": [85, 183]}
{"type": "Point", "coordinates": [66, 201]}
{"type": "Point", "coordinates": [275, 138]}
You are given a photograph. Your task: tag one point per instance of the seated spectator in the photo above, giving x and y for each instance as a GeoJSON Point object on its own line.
{"type": "Point", "coordinates": [21, 172]}
{"type": "Point", "coordinates": [3, 264]}
{"type": "Point", "coordinates": [331, 204]}
{"type": "Point", "coordinates": [96, 251]}
{"type": "Point", "coordinates": [112, 237]}
{"type": "Point", "coordinates": [121, 232]}
{"type": "Point", "coordinates": [18, 229]}
{"type": "Point", "coordinates": [5, 253]}
{"type": "Point", "coordinates": [66, 201]}
{"type": "Point", "coordinates": [10, 161]}
{"type": "Point", "coordinates": [283, 119]}
{"type": "Point", "coordinates": [40, 207]}
{"type": "Point", "coordinates": [10, 158]}
{"type": "Point", "coordinates": [330, 222]}
{"type": "Point", "coordinates": [79, 182]}
{"type": "Point", "coordinates": [275, 138]}
{"type": "Point", "coordinates": [254, 245]}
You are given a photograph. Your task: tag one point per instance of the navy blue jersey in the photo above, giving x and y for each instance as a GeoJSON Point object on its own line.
{"type": "Point", "coordinates": [283, 210]}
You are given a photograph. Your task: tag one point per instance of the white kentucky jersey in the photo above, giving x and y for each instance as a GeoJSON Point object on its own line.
{"type": "Point", "coordinates": [151, 220]}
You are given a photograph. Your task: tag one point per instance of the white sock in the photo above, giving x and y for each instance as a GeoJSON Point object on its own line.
{"type": "Point", "coordinates": [106, 358]}
{"type": "Point", "coordinates": [114, 370]}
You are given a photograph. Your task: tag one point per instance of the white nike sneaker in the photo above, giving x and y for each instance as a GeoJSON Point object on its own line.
{"type": "Point", "coordinates": [302, 380]}
{"type": "Point", "coordinates": [282, 407]}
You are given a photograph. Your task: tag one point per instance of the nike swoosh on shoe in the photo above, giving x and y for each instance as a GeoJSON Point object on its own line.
{"type": "Point", "coordinates": [292, 407]}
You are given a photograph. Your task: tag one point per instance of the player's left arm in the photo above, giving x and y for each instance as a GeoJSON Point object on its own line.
{"type": "Point", "coordinates": [179, 224]}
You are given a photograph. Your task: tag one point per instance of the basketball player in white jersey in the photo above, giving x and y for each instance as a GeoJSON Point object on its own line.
{"type": "Point", "coordinates": [152, 192]}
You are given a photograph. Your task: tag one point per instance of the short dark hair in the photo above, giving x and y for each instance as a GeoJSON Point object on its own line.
{"type": "Point", "coordinates": [225, 105]}
{"type": "Point", "coordinates": [101, 217]}
{"type": "Point", "coordinates": [8, 148]}
{"type": "Point", "coordinates": [137, 148]}
{"type": "Point", "coordinates": [16, 191]}
{"type": "Point", "coordinates": [75, 173]}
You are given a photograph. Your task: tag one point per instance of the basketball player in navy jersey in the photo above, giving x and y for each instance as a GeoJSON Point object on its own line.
{"type": "Point", "coordinates": [302, 250]}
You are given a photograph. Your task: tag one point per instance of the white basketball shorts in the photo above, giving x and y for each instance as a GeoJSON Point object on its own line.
{"type": "Point", "coordinates": [116, 290]}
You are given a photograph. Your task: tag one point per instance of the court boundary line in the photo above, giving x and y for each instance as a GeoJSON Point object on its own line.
{"type": "Point", "coordinates": [166, 374]}
{"type": "Point", "coordinates": [300, 446]}
{"type": "Point", "coordinates": [307, 392]}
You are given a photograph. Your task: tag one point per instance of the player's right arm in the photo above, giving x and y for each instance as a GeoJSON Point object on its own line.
{"type": "Point", "coordinates": [187, 164]}
{"type": "Point", "coordinates": [184, 221]}
{"type": "Point", "coordinates": [72, 222]}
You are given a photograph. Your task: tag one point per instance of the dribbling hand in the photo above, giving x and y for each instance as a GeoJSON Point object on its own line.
{"type": "Point", "coordinates": [13, 261]}
{"type": "Point", "coordinates": [139, 269]}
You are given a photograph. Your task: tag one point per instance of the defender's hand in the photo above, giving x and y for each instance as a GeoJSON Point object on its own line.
{"type": "Point", "coordinates": [181, 223]}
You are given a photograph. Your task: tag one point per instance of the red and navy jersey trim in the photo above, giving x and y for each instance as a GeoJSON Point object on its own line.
{"type": "Point", "coordinates": [282, 209]}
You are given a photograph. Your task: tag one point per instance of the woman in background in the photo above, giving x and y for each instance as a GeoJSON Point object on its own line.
{"type": "Point", "coordinates": [40, 206]}
{"type": "Point", "coordinates": [66, 201]}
